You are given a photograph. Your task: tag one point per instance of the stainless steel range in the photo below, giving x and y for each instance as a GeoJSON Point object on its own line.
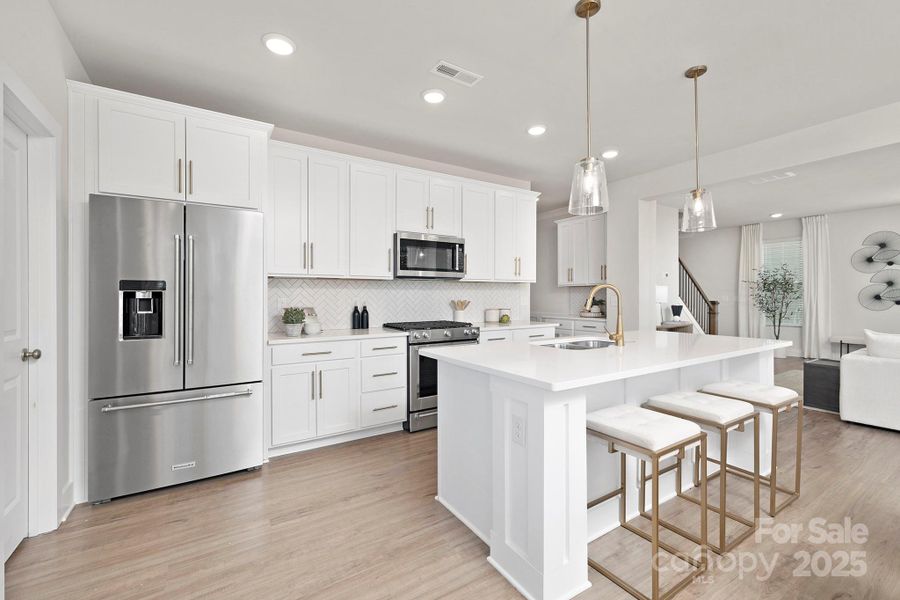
{"type": "Point", "coordinates": [422, 397]}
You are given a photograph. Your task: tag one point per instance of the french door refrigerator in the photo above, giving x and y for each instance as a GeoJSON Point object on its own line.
{"type": "Point", "coordinates": [176, 343]}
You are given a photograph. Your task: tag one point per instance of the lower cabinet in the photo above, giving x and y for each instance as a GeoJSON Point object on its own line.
{"type": "Point", "coordinates": [320, 389]}
{"type": "Point", "coordinates": [534, 335]}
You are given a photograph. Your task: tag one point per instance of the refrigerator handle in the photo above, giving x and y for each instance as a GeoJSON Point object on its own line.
{"type": "Point", "coordinates": [189, 283]}
{"type": "Point", "coordinates": [178, 305]}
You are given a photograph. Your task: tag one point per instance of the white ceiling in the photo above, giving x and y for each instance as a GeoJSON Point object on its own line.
{"type": "Point", "coordinates": [854, 181]}
{"type": "Point", "coordinates": [360, 66]}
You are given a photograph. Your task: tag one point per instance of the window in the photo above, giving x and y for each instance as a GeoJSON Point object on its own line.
{"type": "Point", "coordinates": [790, 253]}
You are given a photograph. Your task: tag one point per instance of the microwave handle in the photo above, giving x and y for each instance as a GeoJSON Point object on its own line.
{"type": "Point", "coordinates": [458, 248]}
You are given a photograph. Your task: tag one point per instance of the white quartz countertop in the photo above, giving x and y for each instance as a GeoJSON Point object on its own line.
{"type": "Point", "coordinates": [514, 325]}
{"type": "Point", "coordinates": [568, 317]}
{"type": "Point", "coordinates": [557, 370]}
{"type": "Point", "coordinates": [336, 335]}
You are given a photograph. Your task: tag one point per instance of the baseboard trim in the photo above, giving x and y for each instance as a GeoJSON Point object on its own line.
{"type": "Point", "coordinates": [333, 440]}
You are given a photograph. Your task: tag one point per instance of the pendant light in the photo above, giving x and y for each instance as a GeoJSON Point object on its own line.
{"type": "Point", "coordinates": [589, 195]}
{"type": "Point", "coordinates": [698, 214]}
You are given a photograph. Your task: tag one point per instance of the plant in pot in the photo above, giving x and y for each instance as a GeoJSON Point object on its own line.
{"type": "Point", "coordinates": [293, 318]}
{"type": "Point", "coordinates": [775, 293]}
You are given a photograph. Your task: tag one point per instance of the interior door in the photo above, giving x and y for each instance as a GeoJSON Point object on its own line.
{"type": "Point", "coordinates": [412, 202]}
{"type": "Point", "coordinates": [224, 289]}
{"type": "Point", "coordinates": [444, 198]}
{"type": "Point", "coordinates": [14, 332]}
{"type": "Point", "coordinates": [478, 231]}
{"type": "Point", "coordinates": [329, 216]}
{"type": "Point", "coordinates": [371, 221]}
{"type": "Point", "coordinates": [141, 151]}
{"type": "Point", "coordinates": [337, 386]}
{"type": "Point", "coordinates": [505, 265]}
{"type": "Point", "coordinates": [293, 403]}
{"type": "Point", "coordinates": [219, 163]}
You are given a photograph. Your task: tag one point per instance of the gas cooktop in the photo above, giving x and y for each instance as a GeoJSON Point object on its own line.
{"type": "Point", "coordinates": [410, 325]}
{"type": "Point", "coordinates": [433, 332]}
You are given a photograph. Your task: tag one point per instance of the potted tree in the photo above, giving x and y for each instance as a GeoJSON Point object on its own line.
{"type": "Point", "coordinates": [775, 293]}
{"type": "Point", "coordinates": [293, 318]}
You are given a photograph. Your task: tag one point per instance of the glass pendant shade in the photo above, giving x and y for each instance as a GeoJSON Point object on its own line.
{"type": "Point", "coordinates": [589, 195]}
{"type": "Point", "coordinates": [698, 214]}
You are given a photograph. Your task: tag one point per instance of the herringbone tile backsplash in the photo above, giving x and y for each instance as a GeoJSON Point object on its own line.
{"type": "Point", "coordinates": [397, 300]}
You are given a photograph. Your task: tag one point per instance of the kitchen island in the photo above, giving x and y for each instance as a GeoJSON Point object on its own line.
{"type": "Point", "coordinates": [514, 461]}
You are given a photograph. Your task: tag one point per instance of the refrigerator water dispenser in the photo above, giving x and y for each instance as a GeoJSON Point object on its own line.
{"type": "Point", "coordinates": [141, 309]}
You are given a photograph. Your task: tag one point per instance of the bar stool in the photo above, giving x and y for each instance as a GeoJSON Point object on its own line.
{"type": "Point", "coordinates": [718, 416]}
{"type": "Point", "coordinates": [774, 400]}
{"type": "Point", "coordinates": [649, 436]}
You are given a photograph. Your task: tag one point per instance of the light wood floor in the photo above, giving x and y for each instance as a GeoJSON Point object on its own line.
{"type": "Point", "coordinates": [360, 521]}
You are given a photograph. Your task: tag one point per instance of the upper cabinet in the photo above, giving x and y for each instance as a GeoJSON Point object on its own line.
{"type": "Point", "coordinates": [478, 231]}
{"type": "Point", "coordinates": [372, 197]}
{"type": "Point", "coordinates": [156, 149]}
{"type": "Point", "coordinates": [515, 226]}
{"type": "Point", "coordinates": [428, 204]}
{"type": "Point", "coordinates": [581, 251]}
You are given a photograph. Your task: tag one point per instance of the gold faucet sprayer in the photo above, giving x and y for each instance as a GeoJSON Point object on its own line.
{"type": "Point", "coordinates": [619, 336]}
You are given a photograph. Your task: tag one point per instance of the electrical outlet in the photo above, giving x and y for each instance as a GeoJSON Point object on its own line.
{"type": "Point", "coordinates": [518, 430]}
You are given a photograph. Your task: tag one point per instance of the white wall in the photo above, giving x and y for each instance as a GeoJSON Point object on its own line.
{"type": "Point", "coordinates": [34, 45]}
{"type": "Point", "coordinates": [666, 256]}
{"type": "Point", "coordinates": [713, 259]}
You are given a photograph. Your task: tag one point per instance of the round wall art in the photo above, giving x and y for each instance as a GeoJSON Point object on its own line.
{"type": "Point", "coordinates": [880, 256]}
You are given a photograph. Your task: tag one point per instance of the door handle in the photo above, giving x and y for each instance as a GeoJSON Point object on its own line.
{"type": "Point", "coordinates": [384, 408]}
{"type": "Point", "coordinates": [189, 329]}
{"type": "Point", "coordinates": [384, 374]}
{"type": "Point", "coordinates": [179, 175]}
{"type": "Point", "coordinates": [111, 408]}
{"type": "Point", "coordinates": [321, 387]}
{"type": "Point", "coordinates": [26, 354]}
{"type": "Point", "coordinates": [190, 177]}
{"type": "Point", "coordinates": [312, 255]}
{"type": "Point", "coordinates": [304, 255]}
{"type": "Point", "coordinates": [385, 348]}
{"type": "Point", "coordinates": [315, 353]}
{"type": "Point", "coordinates": [312, 377]}
{"type": "Point", "coordinates": [178, 315]}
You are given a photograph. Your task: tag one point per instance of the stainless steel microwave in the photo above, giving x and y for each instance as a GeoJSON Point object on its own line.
{"type": "Point", "coordinates": [426, 256]}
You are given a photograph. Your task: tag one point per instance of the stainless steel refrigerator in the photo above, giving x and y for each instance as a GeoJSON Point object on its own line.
{"type": "Point", "coordinates": [176, 343]}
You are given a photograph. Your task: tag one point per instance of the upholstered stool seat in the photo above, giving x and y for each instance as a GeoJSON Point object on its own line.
{"type": "Point", "coordinates": [649, 436]}
{"type": "Point", "coordinates": [773, 400]}
{"type": "Point", "coordinates": [719, 416]}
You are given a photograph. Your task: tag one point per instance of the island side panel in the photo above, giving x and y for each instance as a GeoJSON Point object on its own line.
{"type": "Point", "coordinates": [539, 533]}
{"type": "Point", "coordinates": [464, 468]}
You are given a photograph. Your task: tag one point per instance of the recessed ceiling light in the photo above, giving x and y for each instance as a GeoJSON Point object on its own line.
{"type": "Point", "coordinates": [776, 215]}
{"type": "Point", "coordinates": [610, 154]}
{"type": "Point", "coordinates": [537, 130]}
{"type": "Point", "coordinates": [433, 96]}
{"type": "Point", "coordinates": [278, 44]}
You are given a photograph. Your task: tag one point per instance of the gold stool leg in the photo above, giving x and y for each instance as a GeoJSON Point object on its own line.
{"type": "Point", "coordinates": [773, 475]}
{"type": "Point", "coordinates": [655, 531]}
{"type": "Point", "coordinates": [723, 485]}
{"type": "Point", "coordinates": [704, 535]}
{"type": "Point", "coordinates": [799, 446]}
{"type": "Point", "coordinates": [756, 468]}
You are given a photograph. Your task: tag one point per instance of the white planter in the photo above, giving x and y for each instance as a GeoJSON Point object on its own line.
{"type": "Point", "coordinates": [312, 328]}
{"type": "Point", "coordinates": [293, 329]}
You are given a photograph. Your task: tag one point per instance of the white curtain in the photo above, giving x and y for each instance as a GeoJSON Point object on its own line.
{"type": "Point", "coordinates": [816, 287]}
{"type": "Point", "coordinates": [750, 321]}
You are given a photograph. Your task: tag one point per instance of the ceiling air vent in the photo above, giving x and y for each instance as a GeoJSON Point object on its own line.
{"type": "Point", "coordinates": [771, 177]}
{"type": "Point", "coordinates": [457, 74]}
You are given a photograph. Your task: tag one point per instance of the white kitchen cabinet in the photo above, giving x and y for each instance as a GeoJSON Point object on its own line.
{"type": "Point", "coordinates": [445, 204]}
{"type": "Point", "coordinates": [486, 337]}
{"type": "Point", "coordinates": [337, 406]}
{"type": "Point", "coordinates": [329, 216]}
{"type": "Point", "coordinates": [286, 212]}
{"type": "Point", "coordinates": [534, 334]}
{"type": "Point", "coordinates": [412, 202]}
{"type": "Point", "coordinates": [226, 163]}
{"type": "Point", "coordinates": [581, 251]}
{"type": "Point", "coordinates": [478, 231]}
{"type": "Point", "coordinates": [515, 231]}
{"type": "Point", "coordinates": [141, 150]}
{"type": "Point", "coordinates": [293, 403]}
{"type": "Point", "coordinates": [372, 198]}
{"type": "Point", "coordinates": [157, 149]}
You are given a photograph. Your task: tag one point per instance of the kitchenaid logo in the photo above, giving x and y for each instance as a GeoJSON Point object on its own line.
{"type": "Point", "coordinates": [187, 465]}
{"type": "Point", "coordinates": [829, 550]}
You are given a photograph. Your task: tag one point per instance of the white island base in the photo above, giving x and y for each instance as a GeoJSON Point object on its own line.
{"type": "Point", "coordinates": [514, 461]}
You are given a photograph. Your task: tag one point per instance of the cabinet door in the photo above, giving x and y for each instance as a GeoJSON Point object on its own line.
{"type": "Point", "coordinates": [478, 231]}
{"type": "Point", "coordinates": [329, 216]}
{"type": "Point", "coordinates": [505, 256]}
{"type": "Point", "coordinates": [534, 335]}
{"type": "Point", "coordinates": [445, 200]}
{"type": "Point", "coordinates": [224, 163]}
{"type": "Point", "coordinates": [596, 244]}
{"type": "Point", "coordinates": [564, 254]}
{"type": "Point", "coordinates": [371, 221]}
{"type": "Point", "coordinates": [412, 202]}
{"type": "Point", "coordinates": [526, 237]}
{"type": "Point", "coordinates": [580, 252]}
{"type": "Point", "coordinates": [338, 396]}
{"type": "Point", "coordinates": [141, 151]}
{"type": "Point", "coordinates": [293, 403]}
{"type": "Point", "coordinates": [286, 225]}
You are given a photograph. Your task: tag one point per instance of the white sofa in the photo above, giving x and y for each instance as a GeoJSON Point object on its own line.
{"type": "Point", "coordinates": [870, 389]}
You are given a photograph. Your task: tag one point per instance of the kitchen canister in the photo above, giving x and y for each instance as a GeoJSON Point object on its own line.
{"type": "Point", "coordinates": [505, 312]}
{"type": "Point", "coordinates": [491, 315]}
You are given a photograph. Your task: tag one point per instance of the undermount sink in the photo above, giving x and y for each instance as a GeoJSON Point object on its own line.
{"type": "Point", "coordinates": [591, 344]}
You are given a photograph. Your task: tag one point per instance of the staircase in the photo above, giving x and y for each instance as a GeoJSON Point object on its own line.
{"type": "Point", "coordinates": [704, 310]}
